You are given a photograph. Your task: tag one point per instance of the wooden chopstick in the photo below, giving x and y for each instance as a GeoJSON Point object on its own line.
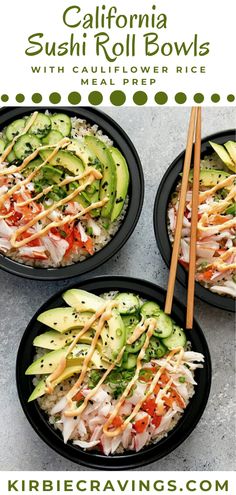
{"type": "Point", "coordinates": [194, 221]}
{"type": "Point", "coordinates": [179, 222]}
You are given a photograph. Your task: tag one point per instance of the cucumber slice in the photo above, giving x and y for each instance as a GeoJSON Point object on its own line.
{"type": "Point", "coordinates": [41, 125]}
{"type": "Point", "coordinates": [2, 146]}
{"type": "Point", "coordinates": [15, 128]}
{"type": "Point", "coordinates": [61, 123]}
{"type": "Point", "coordinates": [52, 138]}
{"type": "Point", "coordinates": [155, 350]}
{"type": "Point", "coordinates": [176, 339]}
{"type": "Point", "coordinates": [25, 145]}
{"type": "Point", "coordinates": [150, 310]}
{"type": "Point", "coordinates": [137, 345]}
{"type": "Point", "coordinates": [128, 303]}
{"type": "Point", "coordinates": [164, 326]}
{"type": "Point", "coordinates": [130, 362]}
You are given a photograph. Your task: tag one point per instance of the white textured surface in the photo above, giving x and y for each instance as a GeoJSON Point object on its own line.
{"type": "Point", "coordinates": [159, 135]}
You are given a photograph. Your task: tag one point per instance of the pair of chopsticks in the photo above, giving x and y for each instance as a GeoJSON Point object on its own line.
{"type": "Point", "coordinates": [194, 136]}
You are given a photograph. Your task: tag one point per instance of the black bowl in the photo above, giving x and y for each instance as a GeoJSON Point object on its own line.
{"type": "Point", "coordinates": [129, 460]}
{"type": "Point", "coordinates": [166, 188]}
{"type": "Point", "coordinates": [136, 194]}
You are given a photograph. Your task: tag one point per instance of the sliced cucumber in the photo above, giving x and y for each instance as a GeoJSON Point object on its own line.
{"type": "Point", "coordinates": [26, 145]}
{"type": "Point", "coordinates": [61, 123]}
{"type": "Point", "coordinates": [130, 362]}
{"type": "Point", "coordinates": [128, 303]}
{"type": "Point", "coordinates": [156, 349]}
{"type": "Point", "coordinates": [130, 322]}
{"type": "Point", "coordinates": [164, 326]}
{"type": "Point", "coordinates": [52, 138]}
{"type": "Point", "coordinates": [137, 345]}
{"type": "Point", "coordinates": [150, 310]}
{"type": "Point", "coordinates": [41, 125]}
{"type": "Point", "coordinates": [176, 339]}
{"type": "Point", "coordinates": [2, 146]}
{"type": "Point", "coordinates": [15, 128]}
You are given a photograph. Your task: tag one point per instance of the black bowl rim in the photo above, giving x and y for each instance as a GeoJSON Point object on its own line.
{"type": "Point", "coordinates": [160, 226]}
{"type": "Point", "coordinates": [150, 454]}
{"type": "Point", "coordinates": [123, 142]}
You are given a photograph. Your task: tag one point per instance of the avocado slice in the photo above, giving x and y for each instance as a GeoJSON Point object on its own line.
{"type": "Point", "coordinates": [210, 177]}
{"type": "Point", "coordinates": [223, 154]}
{"type": "Point", "coordinates": [53, 340]}
{"type": "Point", "coordinates": [48, 363]}
{"type": "Point", "coordinates": [39, 390]}
{"type": "Point", "coordinates": [64, 159]}
{"type": "Point", "coordinates": [113, 336]}
{"type": "Point", "coordinates": [63, 319]}
{"type": "Point", "coordinates": [52, 174]}
{"type": "Point", "coordinates": [231, 148]}
{"type": "Point", "coordinates": [108, 182]}
{"type": "Point", "coordinates": [82, 300]}
{"type": "Point", "coordinates": [82, 151]}
{"type": "Point", "coordinates": [122, 173]}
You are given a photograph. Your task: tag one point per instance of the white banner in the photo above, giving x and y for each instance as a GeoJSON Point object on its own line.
{"type": "Point", "coordinates": [123, 482]}
{"type": "Point", "coordinates": [117, 52]}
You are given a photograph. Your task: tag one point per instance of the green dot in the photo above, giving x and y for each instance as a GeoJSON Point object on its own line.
{"type": "Point", "coordinates": [55, 98]}
{"type": "Point", "coordinates": [198, 98]}
{"type": "Point", "coordinates": [74, 98]}
{"type": "Point", "coordinates": [95, 98]}
{"type": "Point", "coordinates": [230, 98]}
{"type": "Point", "coordinates": [36, 98]}
{"type": "Point", "coordinates": [215, 98]}
{"type": "Point", "coordinates": [4, 98]}
{"type": "Point", "coordinates": [180, 98]}
{"type": "Point", "coordinates": [140, 98]}
{"type": "Point", "coordinates": [161, 98]}
{"type": "Point", "coordinates": [117, 98]}
{"type": "Point", "coordinates": [20, 98]}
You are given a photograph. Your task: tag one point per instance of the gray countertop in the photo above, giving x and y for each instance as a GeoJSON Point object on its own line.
{"type": "Point", "coordinates": [159, 134]}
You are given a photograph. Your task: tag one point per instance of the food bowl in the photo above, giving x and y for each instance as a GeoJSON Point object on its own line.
{"type": "Point", "coordinates": [135, 193]}
{"type": "Point", "coordinates": [129, 459]}
{"type": "Point", "coordinates": [165, 190]}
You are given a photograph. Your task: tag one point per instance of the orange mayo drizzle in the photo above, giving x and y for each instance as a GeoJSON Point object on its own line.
{"type": "Point", "coordinates": [220, 265]}
{"type": "Point", "coordinates": [224, 226]}
{"type": "Point", "coordinates": [59, 223]}
{"type": "Point", "coordinates": [28, 159]}
{"type": "Point", "coordinates": [138, 331]}
{"type": "Point", "coordinates": [227, 182]}
{"type": "Point", "coordinates": [28, 179]}
{"type": "Point", "coordinates": [59, 370]}
{"type": "Point", "coordinates": [10, 146]}
{"type": "Point", "coordinates": [151, 328]}
{"type": "Point", "coordinates": [223, 204]}
{"type": "Point", "coordinates": [83, 406]}
{"type": "Point", "coordinates": [136, 409]}
{"type": "Point", "coordinates": [65, 181]}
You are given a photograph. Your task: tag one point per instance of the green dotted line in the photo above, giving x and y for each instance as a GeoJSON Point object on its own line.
{"type": "Point", "coordinates": [118, 98]}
